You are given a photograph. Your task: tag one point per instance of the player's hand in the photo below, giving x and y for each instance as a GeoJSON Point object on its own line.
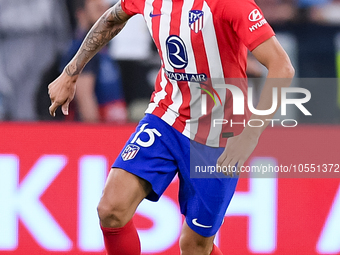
{"type": "Point", "coordinates": [61, 92]}
{"type": "Point", "coordinates": [237, 151]}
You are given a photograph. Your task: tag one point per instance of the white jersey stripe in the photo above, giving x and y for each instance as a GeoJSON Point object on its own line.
{"type": "Point", "coordinates": [170, 115]}
{"type": "Point", "coordinates": [191, 126]}
{"type": "Point", "coordinates": [164, 30]}
{"type": "Point", "coordinates": [216, 70]}
{"type": "Point", "coordinates": [177, 98]}
{"type": "Point", "coordinates": [159, 95]}
{"type": "Point", "coordinates": [148, 9]}
{"type": "Point", "coordinates": [211, 45]}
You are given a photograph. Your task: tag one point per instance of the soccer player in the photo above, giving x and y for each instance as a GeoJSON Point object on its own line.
{"type": "Point", "coordinates": [198, 41]}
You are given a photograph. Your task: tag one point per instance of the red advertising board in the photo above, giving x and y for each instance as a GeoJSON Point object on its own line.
{"type": "Point", "coordinates": [51, 177]}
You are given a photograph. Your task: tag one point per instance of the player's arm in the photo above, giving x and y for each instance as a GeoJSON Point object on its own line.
{"type": "Point", "coordinates": [275, 59]}
{"type": "Point", "coordinates": [280, 74]}
{"type": "Point", "coordinates": [62, 90]}
{"type": "Point", "coordinates": [85, 97]}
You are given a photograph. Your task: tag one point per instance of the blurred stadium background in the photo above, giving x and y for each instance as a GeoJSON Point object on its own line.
{"type": "Point", "coordinates": [52, 171]}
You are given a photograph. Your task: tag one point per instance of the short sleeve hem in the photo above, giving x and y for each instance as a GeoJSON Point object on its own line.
{"type": "Point", "coordinates": [264, 37]}
{"type": "Point", "coordinates": [125, 9]}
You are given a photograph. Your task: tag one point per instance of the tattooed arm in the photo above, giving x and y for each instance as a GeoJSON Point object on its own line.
{"type": "Point", "coordinates": [62, 90]}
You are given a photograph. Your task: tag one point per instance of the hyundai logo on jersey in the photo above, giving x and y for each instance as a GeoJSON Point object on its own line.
{"type": "Point", "coordinates": [255, 15]}
{"type": "Point", "coordinates": [176, 52]}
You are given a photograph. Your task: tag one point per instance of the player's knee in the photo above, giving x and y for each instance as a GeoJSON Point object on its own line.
{"type": "Point", "coordinates": [189, 245]}
{"type": "Point", "coordinates": [113, 215]}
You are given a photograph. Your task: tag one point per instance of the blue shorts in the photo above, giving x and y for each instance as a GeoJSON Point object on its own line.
{"type": "Point", "coordinates": [157, 152]}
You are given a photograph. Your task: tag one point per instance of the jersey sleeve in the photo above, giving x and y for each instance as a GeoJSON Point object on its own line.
{"type": "Point", "coordinates": [130, 7]}
{"type": "Point", "coordinates": [248, 22]}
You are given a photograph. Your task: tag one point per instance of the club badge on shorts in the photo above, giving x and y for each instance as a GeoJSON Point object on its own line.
{"type": "Point", "coordinates": [196, 20]}
{"type": "Point", "coordinates": [130, 152]}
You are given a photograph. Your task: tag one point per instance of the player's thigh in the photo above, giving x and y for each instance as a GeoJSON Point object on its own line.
{"type": "Point", "coordinates": [122, 194]}
{"type": "Point", "coordinates": [194, 243]}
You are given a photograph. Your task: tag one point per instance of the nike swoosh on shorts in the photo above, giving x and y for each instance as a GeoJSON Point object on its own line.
{"type": "Point", "coordinates": [194, 221]}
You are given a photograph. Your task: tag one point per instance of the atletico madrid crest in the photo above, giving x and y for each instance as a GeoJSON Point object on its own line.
{"type": "Point", "coordinates": [130, 152]}
{"type": "Point", "coordinates": [196, 20]}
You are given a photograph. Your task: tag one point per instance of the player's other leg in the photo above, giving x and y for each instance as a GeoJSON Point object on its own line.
{"type": "Point", "coordinates": [192, 243]}
{"type": "Point", "coordinates": [203, 207]}
{"type": "Point", "coordinates": [122, 194]}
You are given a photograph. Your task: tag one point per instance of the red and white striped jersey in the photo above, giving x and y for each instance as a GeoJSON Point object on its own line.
{"type": "Point", "coordinates": [200, 41]}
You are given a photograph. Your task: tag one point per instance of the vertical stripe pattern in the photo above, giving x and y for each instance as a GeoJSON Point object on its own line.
{"type": "Point", "coordinates": [185, 35]}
